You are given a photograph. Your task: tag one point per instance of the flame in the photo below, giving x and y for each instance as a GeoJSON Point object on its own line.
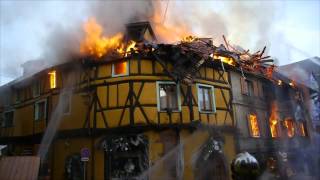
{"type": "Point", "coordinates": [288, 123]}
{"type": "Point", "coordinates": [52, 77]}
{"type": "Point", "coordinates": [302, 130]}
{"type": "Point", "coordinates": [189, 39]}
{"type": "Point", "coordinates": [125, 50]}
{"type": "Point", "coordinates": [224, 59]}
{"type": "Point", "coordinates": [273, 121]}
{"type": "Point", "coordinates": [254, 125]}
{"type": "Point", "coordinates": [168, 32]}
{"type": "Point", "coordinates": [96, 44]}
{"type": "Point", "coordinates": [120, 68]}
{"type": "Point", "coordinates": [279, 82]}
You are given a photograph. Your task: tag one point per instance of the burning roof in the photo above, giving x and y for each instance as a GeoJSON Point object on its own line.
{"type": "Point", "coordinates": [187, 56]}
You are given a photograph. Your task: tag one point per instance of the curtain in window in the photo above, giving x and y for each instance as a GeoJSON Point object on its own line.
{"type": "Point", "coordinates": [168, 97]}
{"type": "Point", "coordinates": [205, 99]}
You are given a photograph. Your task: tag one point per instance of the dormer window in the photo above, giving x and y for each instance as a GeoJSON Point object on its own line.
{"type": "Point", "coordinates": [120, 68]}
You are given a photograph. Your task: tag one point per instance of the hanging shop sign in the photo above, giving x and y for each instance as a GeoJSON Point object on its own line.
{"type": "Point", "coordinates": [85, 154]}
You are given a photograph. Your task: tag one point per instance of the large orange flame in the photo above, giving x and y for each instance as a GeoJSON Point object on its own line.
{"type": "Point", "coordinates": [274, 120]}
{"type": "Point", "coordinates": [288, 123]}
{"type": "Point", "coordinates": [96, 44]}
{"type": "Point", "coordinates": [255, 132]}
{"type": "Point", "coordinates": [168, 32]}
{"type": "Point", "coordinates": [224, 59]}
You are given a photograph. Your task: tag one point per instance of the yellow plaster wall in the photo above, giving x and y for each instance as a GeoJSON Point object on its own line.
{"type": "Point", "coordinates": [77, 115]}
{"type": "Point", "coordinates": [146, 66]}
{"type": "Point", "coordinates": [134, 66]}
{"type": "Point", "coordinates": [104, 70]}
{"type": "Point", "coordinates": [65, 147]}
{"type": "Point", "coordinates": [23, 119]}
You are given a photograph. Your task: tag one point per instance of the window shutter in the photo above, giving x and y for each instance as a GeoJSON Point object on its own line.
{"type": "Point", "coordinates": [255, 88]}
{"type": "Point", "coordinates": [244, 87]}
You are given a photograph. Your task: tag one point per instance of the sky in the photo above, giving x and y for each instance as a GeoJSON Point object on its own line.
{"type": "Point", "coordinates": [290, 29]}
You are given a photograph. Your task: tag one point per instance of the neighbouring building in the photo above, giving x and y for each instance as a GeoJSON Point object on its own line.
{"type": "Point", "coordinates": [156, 112]}
{"type": "Point", "coordinates": [307, 72]}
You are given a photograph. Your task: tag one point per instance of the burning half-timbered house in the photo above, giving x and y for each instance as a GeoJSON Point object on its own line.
{"type": "Point", "coordinates": [141, 111]}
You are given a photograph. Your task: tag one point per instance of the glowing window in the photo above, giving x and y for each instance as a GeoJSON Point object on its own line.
{"type": "Point", "coordinates": [168, 96]}
{"type": "Point", "coordinates": [274, 127]}
{"type": "Point", "coordinates": [206, 102]}
{"type": "Point", "coordinates": [53, 80]}
{"type": "Point", "coordinates": [289, 124]}
{"type": "Point", "coordinates": [302, 129]}
{"type": "Point", "coordinates": [254, 125]}
{"type": "Point", "coordinates": [120, 68]}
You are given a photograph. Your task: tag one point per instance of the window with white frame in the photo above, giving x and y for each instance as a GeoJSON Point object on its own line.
{"type": "Point", "coordinates": [206, 100]}
{"type": "Point", "coordinates": [36, 89]}
{"type": "Point", "coordinates": [168, 96]}
{"type": "Point", "coordinates": [40, 110]}
{"type": "Point", "coordinates": [120, 68]}
{"type": "Point", "coordinates": [7, 119]}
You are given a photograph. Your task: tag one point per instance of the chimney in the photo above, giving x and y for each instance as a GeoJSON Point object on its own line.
{"type": "Point", "coordinates": [140, 31]}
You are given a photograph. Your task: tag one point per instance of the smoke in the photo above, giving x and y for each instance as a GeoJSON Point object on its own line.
{"type": "Point", "coordinates": [56, 117]}
{"type": "Point", "coordinates": [53, 30]}
{"type": "Point", "coordinates": [113, 15]}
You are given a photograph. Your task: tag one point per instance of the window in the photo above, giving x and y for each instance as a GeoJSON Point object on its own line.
{"type": "Point", "coordinates": [253, 125]}
{"type": "Point", "coordinates": [274, 127]}
{"type": "Point", "coordinates": [120, 68]}
{"type": "Point", "coordinates": [168, 96]}
{"type": "Point", "coordinates": [66, 98]}
{"type": "Point", "coordinates": [36, 89]}
{"type": "Point", "coordinates": [18, 95]}
{"type": "Point", "coordinates": [265, 91]}
{"type": "Point", "coordinates": [302, 130]}
{"type": "Point", "coordinates": [289, 125]}
{"type": "Point", "coordinates": [52, 79]}
{"type": "Point", "coordinates": [8, 119]}
{"type": "Point", "coordinates": [244, 86]}
{"type": "Point", "coordinates": [206, 101]}
{"type": "Point", "coordinates": [250, 88]}
{"type": "Point", "coordinates": [40, 110]}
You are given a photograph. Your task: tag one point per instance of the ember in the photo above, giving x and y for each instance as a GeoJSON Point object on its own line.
{"type": "Point", "coordinates": [279, 82]}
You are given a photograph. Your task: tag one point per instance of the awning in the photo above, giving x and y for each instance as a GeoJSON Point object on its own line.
{"type": "Point", "coordinates": [19, 167]}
